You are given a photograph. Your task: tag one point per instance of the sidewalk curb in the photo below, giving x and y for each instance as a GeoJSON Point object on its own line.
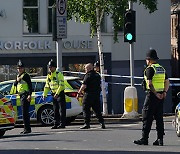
{"type": "Point", "coordinates": [109, 119]}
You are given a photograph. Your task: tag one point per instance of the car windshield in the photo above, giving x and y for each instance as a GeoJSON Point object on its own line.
{"type": "Point", "coordinates": [5, 88]}
{"type": "Point", "coordinates": [75, 84]}
{"type": "Point", "coordinates": [1, 95]}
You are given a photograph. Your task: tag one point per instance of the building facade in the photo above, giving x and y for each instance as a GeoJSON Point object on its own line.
{"type": "Point", "coordinates": [175, 47]}
{"type": "Point", "coordinates": [26, 33]}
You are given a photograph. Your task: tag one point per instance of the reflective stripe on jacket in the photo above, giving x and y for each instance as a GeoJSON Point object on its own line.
{"type": "Point", "coordinates": [55, 83]}
{"type": "Point", "coordinates": [158, 78]}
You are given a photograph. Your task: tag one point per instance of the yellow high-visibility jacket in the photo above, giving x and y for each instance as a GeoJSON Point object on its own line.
{"type": "Point", "coordinates": [55, 83]}
{"type": "Point", "coordinates": [158, 78]}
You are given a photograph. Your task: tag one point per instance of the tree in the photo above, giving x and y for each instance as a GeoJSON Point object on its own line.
{"type": "Point", "coordinates": [92, 11]}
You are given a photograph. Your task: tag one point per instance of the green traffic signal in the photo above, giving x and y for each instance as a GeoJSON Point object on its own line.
{"type": "Point", "coordinates": [130, 26]}
{"type": "Point", "coordinates": [129, 36]}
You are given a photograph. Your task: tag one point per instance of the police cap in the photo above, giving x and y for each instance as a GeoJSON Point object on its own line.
{"type": "Point", "coordinates": [20, 64]}
{"type": "Point", "coordinates": [96, 64]}
{"type": "Point", "coordinates": [51, 63]}
{"type": "Point", "coordinates": [152, 54]}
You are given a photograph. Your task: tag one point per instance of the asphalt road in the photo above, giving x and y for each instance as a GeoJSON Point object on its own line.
{"type": "Point", "coordinates": [116, 138]}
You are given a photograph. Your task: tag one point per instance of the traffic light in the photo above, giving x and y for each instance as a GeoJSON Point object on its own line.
{"type": "Point", "coordinates": [130, 26]}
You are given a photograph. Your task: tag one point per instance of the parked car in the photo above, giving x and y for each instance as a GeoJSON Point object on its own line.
{"type": "Point", "coordinates": [42, 110]}
{"type": "Point", "coordinates": [7, 115]}
{"type": "Point", "coordinates": [177, 117]}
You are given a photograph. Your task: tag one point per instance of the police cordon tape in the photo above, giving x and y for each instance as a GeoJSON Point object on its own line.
{"type": "Point", "coordinates": [125, 76]}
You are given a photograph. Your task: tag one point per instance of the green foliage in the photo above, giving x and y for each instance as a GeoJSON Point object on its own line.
{"type": "Point", "coordinates": [85, 11]}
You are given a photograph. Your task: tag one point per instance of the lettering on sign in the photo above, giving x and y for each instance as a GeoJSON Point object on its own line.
{"type": "Point", "coordinates": [44, 45]}
{"type": "Point", "coordinates": [79, 44]}
{"type": "Point", "coordinates": [23, 45]}
{"type": "Point", "coordinates": [61, 27]}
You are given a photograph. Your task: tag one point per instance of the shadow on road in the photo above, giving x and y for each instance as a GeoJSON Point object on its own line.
{"type": "Point", "coordinates": [23, 135]}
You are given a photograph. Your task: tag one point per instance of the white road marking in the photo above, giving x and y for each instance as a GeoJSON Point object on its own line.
{"type": "Point", "coordinates": [61, 132]}
{"type": "Point", "coordinates": [129, 125]}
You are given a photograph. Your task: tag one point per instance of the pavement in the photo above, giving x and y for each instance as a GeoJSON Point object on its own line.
{"type": "Point", "coordinates": [118, 118]}
{"type": "Point", "coordinates": [109, 119]}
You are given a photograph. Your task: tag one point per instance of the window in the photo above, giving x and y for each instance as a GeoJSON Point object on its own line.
{"type": "Point", "coordinates": [5, 88]}
{"type": "Point", "coordinates": [38, 86]}
{"type": "Point", "coordinates": [75, 84]}
{"type": "Point", "coordinates": [8, 72]}
{"type": "Point", "coordinates": [104, 24]}
{"type": "Point", "coordinates": [50, 4]}
{"type": "Point", "coordinates": [30, 16]}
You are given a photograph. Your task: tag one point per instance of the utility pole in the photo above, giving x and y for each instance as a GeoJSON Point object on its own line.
{"type": "Point", "coordinates": [131, 45]}
{"type": "Point", "coordinates": [59, 13]}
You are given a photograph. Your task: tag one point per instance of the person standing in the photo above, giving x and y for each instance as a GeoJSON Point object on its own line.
{"type": "Point", "coordinates": [55, 84]}
{"type": "Point", "coordinates": [92, 87]}
{"type": "Point", "coordinates": [157, 85]}
{"type": "Point", "coordinates": [23, 87]}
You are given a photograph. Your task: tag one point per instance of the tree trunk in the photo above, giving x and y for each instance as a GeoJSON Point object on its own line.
{"type": "Point", "coordinates": [100, 49]}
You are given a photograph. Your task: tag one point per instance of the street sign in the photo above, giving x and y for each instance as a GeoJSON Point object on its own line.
{"type": "Point", "coordinates": [61, 27]}
{"type": "Point", "coordinates": [61, 7]}
{"type": "Point", "coordinates": [61, 14]}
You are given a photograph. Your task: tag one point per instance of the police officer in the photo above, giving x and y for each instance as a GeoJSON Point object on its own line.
{"type": "Point", "coordinates": [157, 85]}
{"type": "Point", "coordinates": [92, 88]}
{"type": "Point", "coordinates": [55, 84]}
{"type": "Point", "coordinates": [23, 87]}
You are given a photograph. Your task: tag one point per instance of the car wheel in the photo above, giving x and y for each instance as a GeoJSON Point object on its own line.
{"type": "Point", "coordinates": [46, 115]}
{"type": "Point", "coordinates": [2, 132]}
{"type": "Point", "coordinates": [177, 125]}
{"type": "Point", "coordinates": [70, 119]}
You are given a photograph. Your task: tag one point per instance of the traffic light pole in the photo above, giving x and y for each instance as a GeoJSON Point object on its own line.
{"type": "Point", "coordinates": [132, 63]}
{"type": "Point", "coordinates": [59, 54]}
{"type": "Point", "coordinates": [131, 45]}
{"type": "Point", "coordinates": [130, 92]}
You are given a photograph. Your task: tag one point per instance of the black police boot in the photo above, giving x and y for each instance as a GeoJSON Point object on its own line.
{"type": "Point", "coordinates": [86, 126]}
{"type": "Point", "coordinates": [22, 132]}
{"type": "Point", "coordinates": [54, 127]}
{"type": "Point", "coordinates": [158, 142]}
{"type": "Point", "coordinates": [142, 141]}
{"type": "Point", "coordinates": [61, 127]}
{"type": "Point", "coordinates": [102, 125]}
{"type": "Point", "coordinates": [26, 132]}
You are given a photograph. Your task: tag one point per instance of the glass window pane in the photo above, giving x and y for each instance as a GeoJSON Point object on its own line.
{"type": "Point", "coordinates": [30, 17]}
{"type": "Point", "coordinates": [75, 84]}
{"type": "Point", "coordinates": [30, 3]}
{"type": "Point", "coordinates": [50, 20]}
{"type": "Point", "coordinates": [8, 72]}
{"type": "Point", "coordinates": [51, 2]}
{"type": "Point", "coordinates": [5, 88]}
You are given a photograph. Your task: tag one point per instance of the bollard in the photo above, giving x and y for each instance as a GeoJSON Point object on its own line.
{"type": "Point", "coordinates": [130, 103]}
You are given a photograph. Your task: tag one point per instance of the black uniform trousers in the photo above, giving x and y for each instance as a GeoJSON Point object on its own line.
{"type": "Point", "coordinates": [25, 104]}
{"type": "Point", "coordinates": [152, 109]}
{"type": "Point", "coordinates": [92, 100]}
{"type": "Point", "coordinates": [59, 106]}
